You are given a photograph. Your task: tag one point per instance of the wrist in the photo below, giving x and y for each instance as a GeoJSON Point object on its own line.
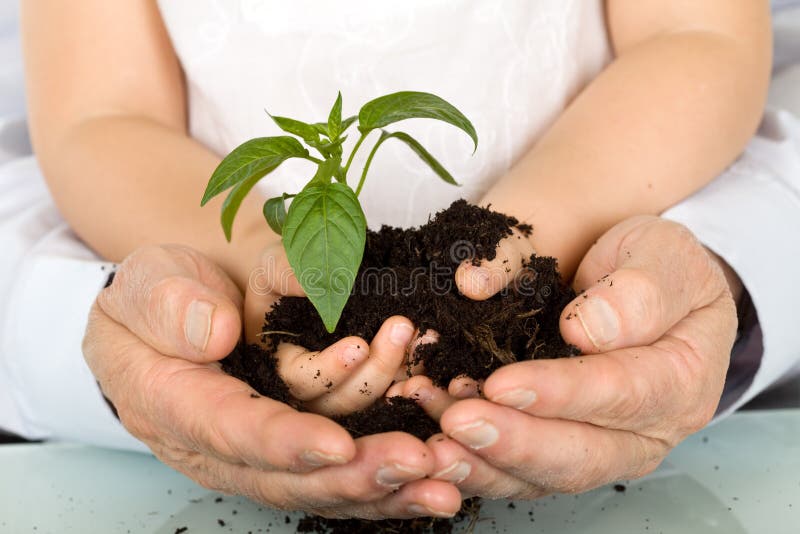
{"type": "Point", "coordinates": [563, 227]}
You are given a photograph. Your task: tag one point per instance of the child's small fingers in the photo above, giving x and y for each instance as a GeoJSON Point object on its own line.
{"type": "Point", "coordinates": [311, 374]}
{"type": "Point", "coordinates": [396, 389]}
{"type": "Point", "coordinates": [372, 378]}
{"type": "Point", "coordinates": [413, 367]}
{"type": "Point", "coordinates": [479, 282]}
{"type": "Point", "coordinates": [464, 387]}
{"type": "Point", "coordinates": [432, 399]}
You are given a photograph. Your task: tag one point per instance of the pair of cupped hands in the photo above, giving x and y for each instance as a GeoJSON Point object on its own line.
{"type": "Point", "coordinates": [655, 322]}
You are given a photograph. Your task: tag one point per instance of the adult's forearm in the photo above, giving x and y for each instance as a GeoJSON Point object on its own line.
{"type": "Point", "coordinates": [123, 182]}
{"type": "Point", "coordinates": [661, 121]}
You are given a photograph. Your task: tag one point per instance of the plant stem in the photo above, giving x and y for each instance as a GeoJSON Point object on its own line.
{"type": "Point", "coordinates": [353, 153]}
{"type": "Point", "coordinates": [312, 158]}
{"type": "Point", "coordinates": [380, 141]}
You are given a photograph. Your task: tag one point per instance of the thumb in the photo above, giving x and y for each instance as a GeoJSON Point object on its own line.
{"type": "Point", "coordinates": [482, 281]}
{"type": "Point", "coordinates": [271, 279]}
{"type": "Point", "coordinates": [639, 279]}
{"type": "Point", "coordinates": [177, 301]}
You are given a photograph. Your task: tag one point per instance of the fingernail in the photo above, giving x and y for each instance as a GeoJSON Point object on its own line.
{"type": "Point", "coordinates": [421, 394]}
{"type": "Point", "coordinates": [599, 321]}
{"type": "Point", "coordinates": [319, 459]}
{"type": "Point", "coordinates": [516, 398]}
{"type": "Point", "coordinates": [428, 337]}
{"type": "Point", "coordinates": [479, 279]}
{"type": "Point", "coordinates": [466, 390]}
{"type": "Point", "coordinates": [197, 327]}
{"type": "Point", "coordinates": [422, 510]}
{"type": "Point", "coordinates": [476, 435]}
{"type": "Point", "coordinates": [392, 475]}
{"type": "Point", "coordinates": [456, 473]}
{"type": "Point", "coordinates": [353, 353]}
{"type": "Point", "coordinates": [400, 334]}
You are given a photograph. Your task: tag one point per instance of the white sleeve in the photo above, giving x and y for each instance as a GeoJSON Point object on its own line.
{"type": "Point", "coordinates": [750, 216]}
{"type": "Point", "coordinates": [48, 281]}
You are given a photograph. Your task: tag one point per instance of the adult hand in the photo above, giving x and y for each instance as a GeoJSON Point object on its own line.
{"type": "Point", "coordinates": [656, 324]}
{"type": "Point", "coordinates": [330, 381]}
{"type": "Point", "coordinates": [153, 341]}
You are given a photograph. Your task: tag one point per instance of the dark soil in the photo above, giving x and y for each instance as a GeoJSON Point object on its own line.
{"type": "Point", "coordinates": [410, 272]}
{"type": "Point", "coordinates": [468, 516]}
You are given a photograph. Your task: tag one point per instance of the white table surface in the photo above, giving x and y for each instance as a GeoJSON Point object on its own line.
{"type": "Point", "coordinates": [740, 476]}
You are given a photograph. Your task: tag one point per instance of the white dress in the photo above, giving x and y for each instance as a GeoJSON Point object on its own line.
{"type": "Point", "coordinates": [510, 66]}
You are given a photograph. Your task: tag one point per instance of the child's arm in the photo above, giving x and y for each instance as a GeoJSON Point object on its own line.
{"type": "Point", "coordinates": [108, 121]}
{"type": "Point", "coordinates": [675, 107]}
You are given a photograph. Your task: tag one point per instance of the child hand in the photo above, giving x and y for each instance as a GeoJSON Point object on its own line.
{"type": "Point", "coordinates": [344, 377]}
{"type": "Point", "coordinates": [482, 281]}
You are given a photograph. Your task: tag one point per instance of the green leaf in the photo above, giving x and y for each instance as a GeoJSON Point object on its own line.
{"type": "Point", "coordinates": [347, 123]}
{"type": "Point", "coordinates": [324, 235]}
{"type": "Point", "coordinates": [335, 118]}
{"type": "Point", "coordinates": [252, 159]}
{"type": "Point", "coordinates": [275, 213]}
{"type": "Point", "coordinates": [299, 128]}
{"type": "Point", "coordinates": [325, 171]}
{"type": "Point", "coordinates": [330, 148]}
{"type": "Point", "coordinates": [232, 202]}
{"type": "Point", "coordinates": [396, 107]}
{"type": "Point", "coordinates": [424, 155]}
{"type": "Point", "coordinates": [321, 128]}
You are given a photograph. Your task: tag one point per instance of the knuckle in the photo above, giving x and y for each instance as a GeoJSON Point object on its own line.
{"type": "Point", "coordinates": [530, 492]}
{"type": "Point", "coordinates": [628, 394]}
{"type": "Point", "coordinates": [164, 296]}
{"type": "Point", "coordinates": [359, 492]}
{"type": "Point", "coordinates": [644, 297]}
{"type": "Point", "coordinates": [697, 386]}
{"type": "Point", "coordinates": [649, 453]}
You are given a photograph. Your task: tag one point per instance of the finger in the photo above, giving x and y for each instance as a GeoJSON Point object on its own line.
{"type": "Point", "coordinates": [432, 399]}
{"type": "Point", "coordinates": [381, 465]}
{"type": "Point", "coordinates": [372, 378]}
{"type": "Point", "coordinates": [311, 374]}
{"type": "Point", "coordinates": [475, 476]}
{"type": "Point", "coordinates": [640, 279]}
{"type": "Point", "coordinates": [666, 390]}
{"type": "Point", "coordinates": [420, 498]}
{"type": "Point", "coordinates": [270, 279]}
{"type": "Point", "coordinates": [464, 387]}
{"type": "Point", "coordinates": [307, 491]}
{"type": "Point", "coordinates": [412, 366]}
{"type": "Point", "coordinates": [202, 409]}
{"type": "Point", "coordinates": [559, 455]}
{"type": "Point", "coordinates": [177, 302]}
{"type": "Point", "coordinates": [479, 282]}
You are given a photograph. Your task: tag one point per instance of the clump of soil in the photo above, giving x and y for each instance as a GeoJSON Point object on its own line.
{"type": "Point", "coordinates": [319, 525]}
{"type": "Point", "coordinates": [410, 272]}
{"type": "Point", "coordinates": [390, 415]}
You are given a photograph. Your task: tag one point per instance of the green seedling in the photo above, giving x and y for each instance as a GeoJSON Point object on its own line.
{"type": "Point", "coordinates": [324, 228]}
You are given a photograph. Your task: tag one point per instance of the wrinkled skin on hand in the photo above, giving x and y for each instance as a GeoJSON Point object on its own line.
{"type": "Point", "coordinates": [656, 323]}
{"type": "Point", "coordinates": [153, 342]}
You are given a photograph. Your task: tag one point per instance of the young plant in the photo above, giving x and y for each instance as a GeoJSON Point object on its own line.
{"type": "Point", "coordinates": [324, 229]}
